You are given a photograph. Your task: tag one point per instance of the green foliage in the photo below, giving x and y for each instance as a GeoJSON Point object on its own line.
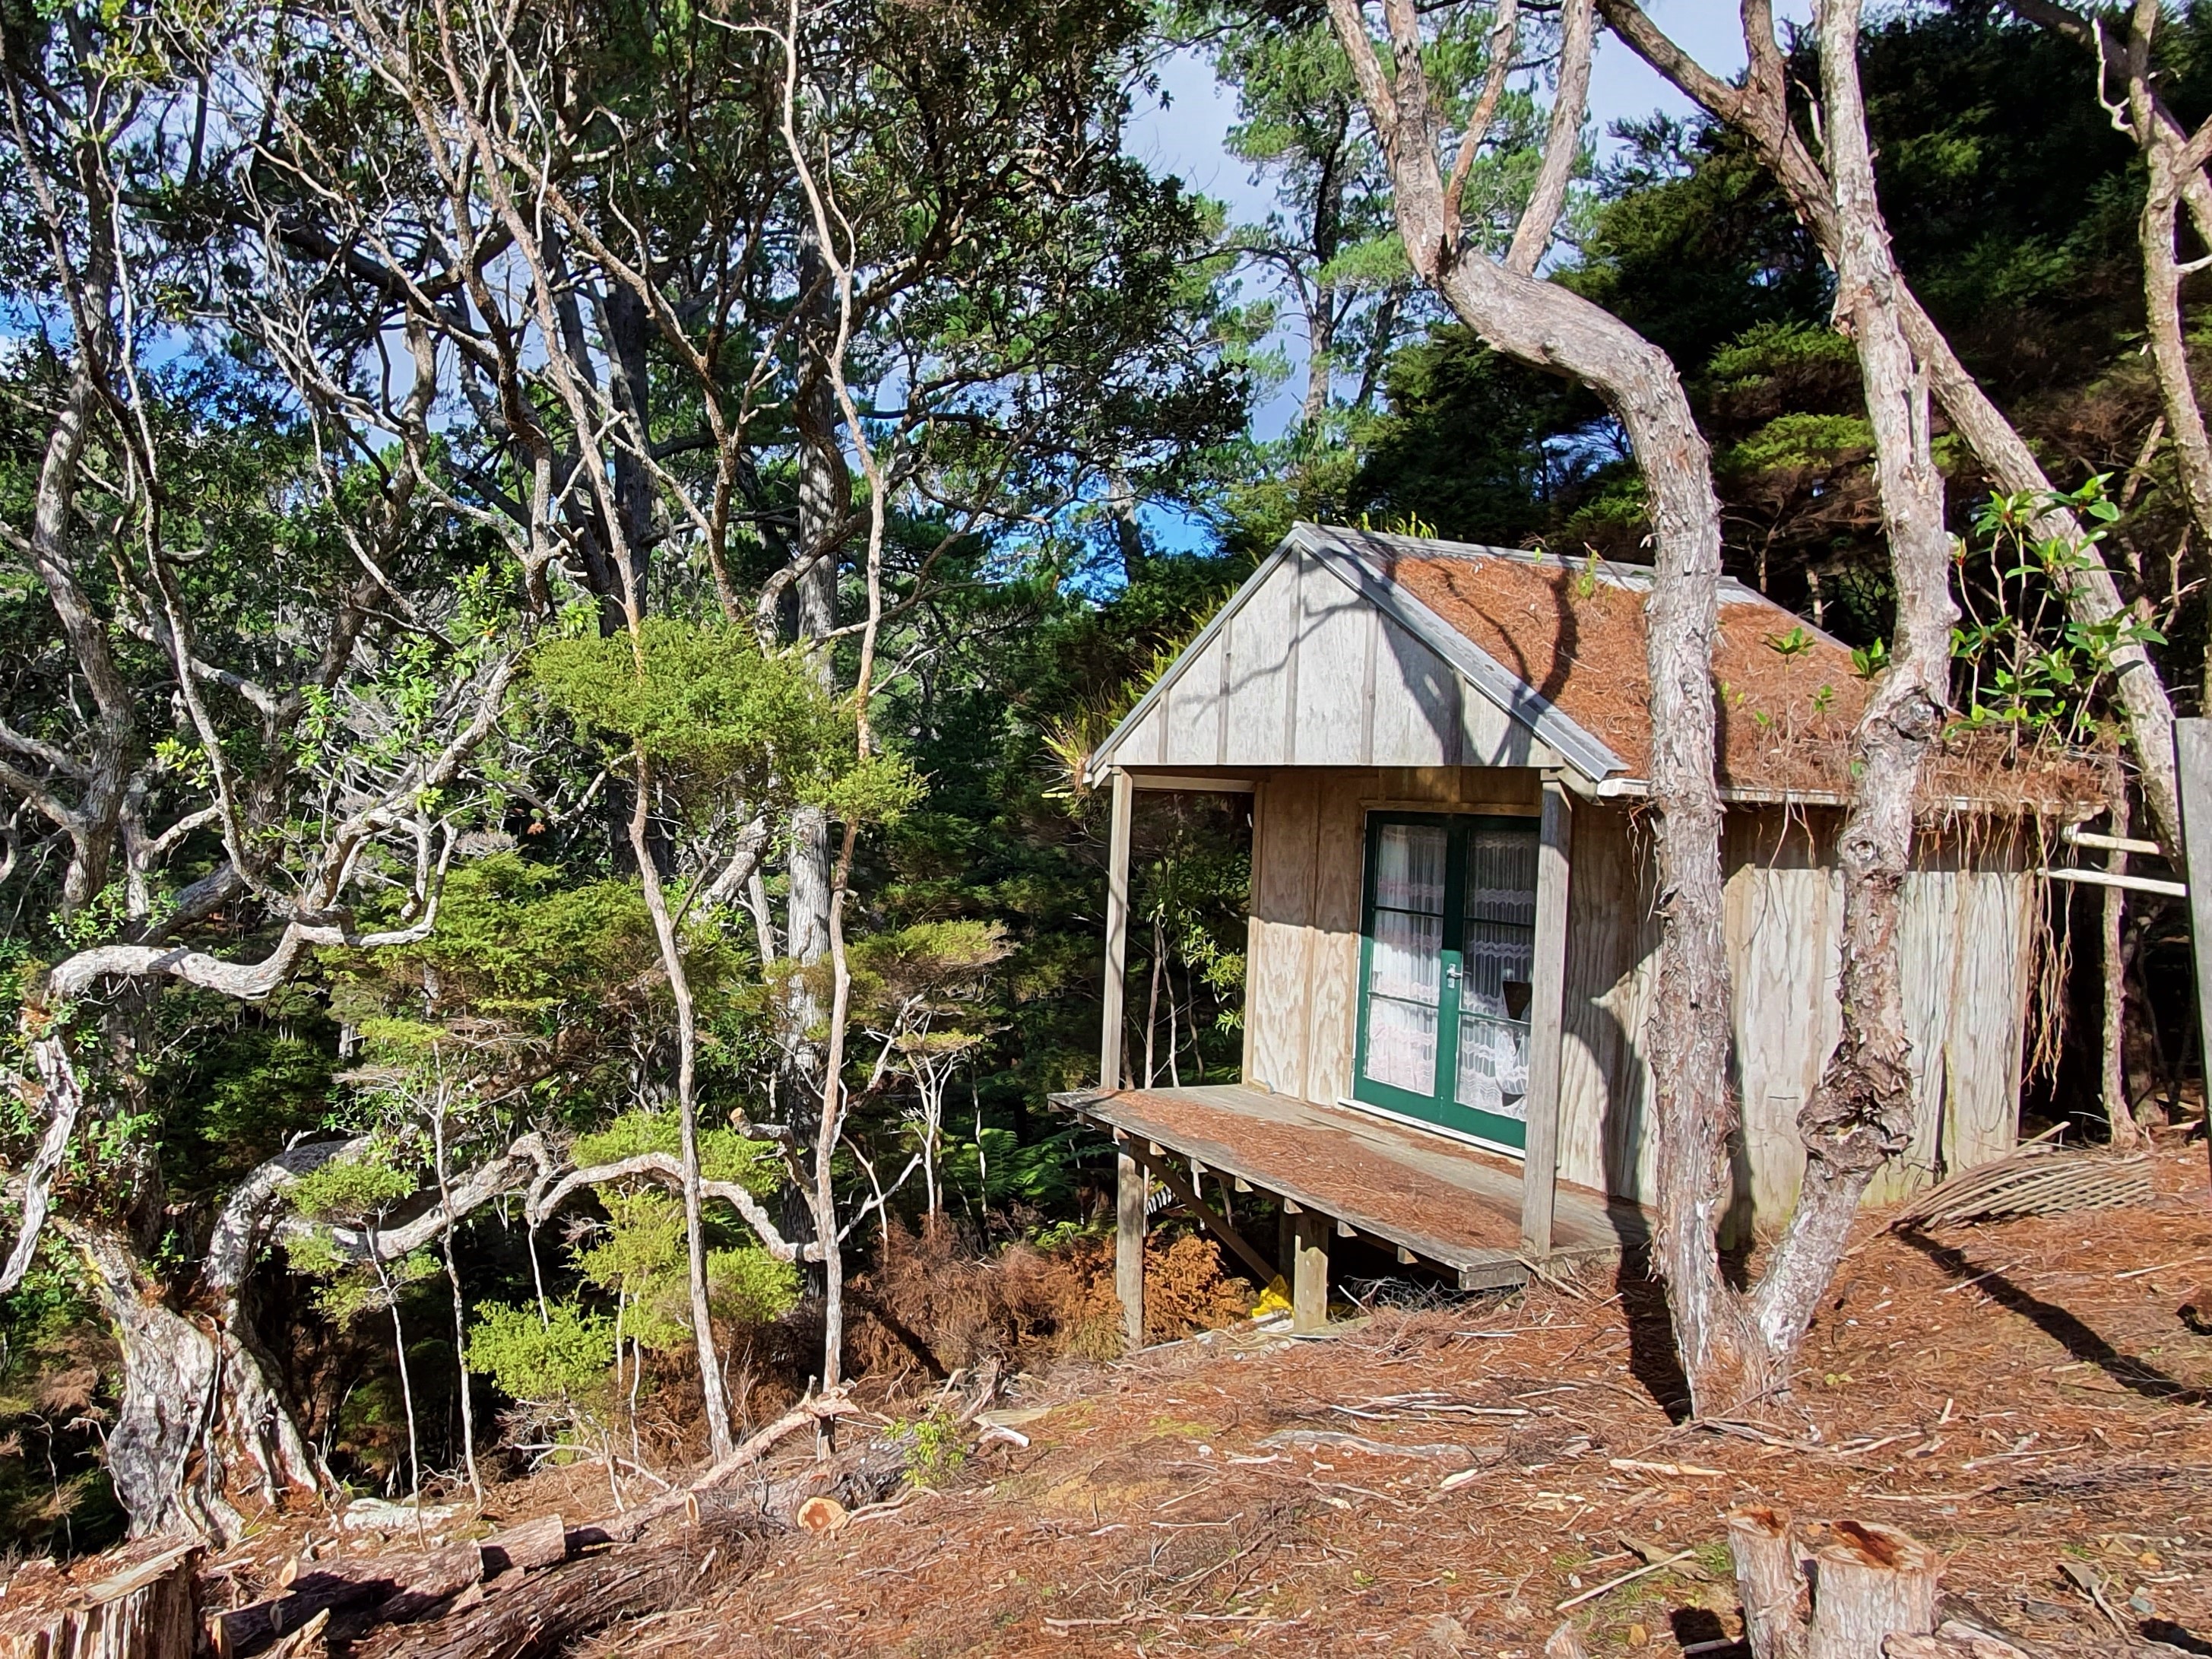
{"type": "Point", "coordinates": [724, 1154]}
{"type": "Point", "coordinates": [561, 1357]}
{"type": "Point", "coordinates": [2022, 662]}
{"type": "Point", "coordinates": [641, 1255]}
{"type": "Point", "coordinates": [720, 717]}
{"type": "Point", "coordinates": [351, 1190]}
{"type": "Point", "coordinates": [936, 1445]}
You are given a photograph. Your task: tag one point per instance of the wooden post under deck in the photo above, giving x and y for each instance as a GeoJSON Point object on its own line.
{"type": "Point", "coordinates": [1310, 1273]}
{"type": "Point", "coordinates": [1547, 1022]}
{"type": "Point", "coordinates": [1132, 1183]}
{"type": "Point", "coordinates": [1110, 1034]}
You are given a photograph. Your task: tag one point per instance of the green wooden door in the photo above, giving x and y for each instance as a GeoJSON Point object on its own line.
{"type": "Point", "coordinates": [1447, 954]}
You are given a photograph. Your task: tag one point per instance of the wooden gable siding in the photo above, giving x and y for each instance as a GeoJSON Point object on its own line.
{"type": "Point", "coordinates": [1308, 846]}
{"type": "Point", "coordinates": [1968, 943]}
{"type": "Point", "coordinates": [1299, 670]}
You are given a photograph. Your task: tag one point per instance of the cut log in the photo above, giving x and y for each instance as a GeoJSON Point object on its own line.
{"type": "Point", "coordinates": [359, 1591]}
{"type": "Point", "coordinates": [1872, 1582]}
{"type": "Point", "coordinates": [133, 1603]}
{"type": "Point", "coordinates": [631, 1524]}
{"type": "Point", "coordinates": [538, 1614]}
{"type": "Point", "coordinates": [539, 1543]}
{"type": "Point", "coordinates": [1767, 1581]}
{"type": "Point", "coordinates": [306, 1643]}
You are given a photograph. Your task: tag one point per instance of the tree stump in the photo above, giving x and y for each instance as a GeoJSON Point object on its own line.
{"type": "Point", "coordinates": [1768, 1581]}
{"type": "Point", "coordinates": [1869, 1583]}
{"type": "Point", "coordinates": [136, 1602]}
{"type": "Point", "coordinates": [1858, 1586]}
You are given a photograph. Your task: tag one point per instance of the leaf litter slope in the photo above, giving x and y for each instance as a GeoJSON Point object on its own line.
{"type": "Point", "coordinates": [2020, 1397]}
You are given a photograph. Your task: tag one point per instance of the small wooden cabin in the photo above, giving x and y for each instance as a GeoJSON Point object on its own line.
{"type": "Point", "coordinates": [1452, 911]}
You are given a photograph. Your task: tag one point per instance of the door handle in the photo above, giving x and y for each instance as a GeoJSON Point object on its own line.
{"type": "Point", "coordinates": [1451, 975]}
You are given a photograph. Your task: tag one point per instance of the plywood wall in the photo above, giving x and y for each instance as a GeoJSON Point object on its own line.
{"type": "Point", "coordinates": [1968, 943]}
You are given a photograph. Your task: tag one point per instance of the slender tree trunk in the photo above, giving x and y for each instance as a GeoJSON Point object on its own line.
{"type": "Point", "coordinates": [687, 1118]}
{"type": "Point", "coordinates": [406, 1377]}
{"type": "Point", "coordinates": [460, 1312]}
{"type": "Point", "coordinates": [1757, 107]}
{"type": "Point", "coordinates": [2113, 959]}
{"type": "Point", "coordinates": [1321, 357]}
{"type": "Point", "coordinates": [1862, 1112]}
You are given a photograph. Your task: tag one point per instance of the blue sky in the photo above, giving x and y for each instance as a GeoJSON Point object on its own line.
{"type": "Point", "coordinates": [1183, 133]}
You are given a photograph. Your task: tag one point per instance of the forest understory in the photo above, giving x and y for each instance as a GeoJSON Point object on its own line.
{"type": "Point", "coordinates": [2032, 1399]}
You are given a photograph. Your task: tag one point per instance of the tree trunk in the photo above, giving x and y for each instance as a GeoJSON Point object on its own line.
{"type": "Point", "coordinates": [137, 1602]}
{"type": "Point", "coordinates": [180, 1380]}
{"type": "Point", "coordinates": [1546, 326]}
{"type": "Point", "coordinates": [687, 1118]}
{"type": "Point", "coordinates": [1862, 1112]}
{"type": "Point", "coordinates": [1757, 107]}
{"type": "Point", "coordinates": [2119, 1111]}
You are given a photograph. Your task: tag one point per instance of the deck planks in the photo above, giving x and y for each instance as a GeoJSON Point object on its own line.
{"type": "Point", "coordinates": [1449, 1204]}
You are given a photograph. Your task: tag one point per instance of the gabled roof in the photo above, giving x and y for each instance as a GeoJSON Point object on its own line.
{"type": "Point", "coordinates": [1553, 650]}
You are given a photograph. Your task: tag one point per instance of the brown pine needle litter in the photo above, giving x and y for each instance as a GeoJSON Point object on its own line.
{"type": "Point", "coordinates": [1204, 1496]}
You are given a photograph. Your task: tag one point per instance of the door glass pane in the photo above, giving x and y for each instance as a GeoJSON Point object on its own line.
{"type": "Point", "coordinates": [1405, 974]}
{"type": "Point", "coordinates": [1498, 953]}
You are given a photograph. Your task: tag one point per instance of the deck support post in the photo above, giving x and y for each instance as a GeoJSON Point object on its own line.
{"type": "Point", "coordinates": [1309, 1271]}
{"type": "Point", "coordinates": [1111, 1037]}
{"type": "Point", "coordinates": [1547, 1022]}
{"type": "Point", "coordinates": [1132, 1182]}
{"type": "Point", "coordinates": [2192, 755]}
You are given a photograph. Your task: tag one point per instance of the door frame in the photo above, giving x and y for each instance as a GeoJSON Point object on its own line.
{"type": "Point", "coordinates": [1440, 1109]}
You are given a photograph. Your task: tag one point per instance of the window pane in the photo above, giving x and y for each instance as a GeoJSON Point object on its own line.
{"type": "Point", "coordinates": [1498, 954]}
{"type": "Point", "coordinates": [1401, 1044]}
{"type": "Point", "coordinates": [1405, 970]}
{"type": "Point", "coordinates": [1409, 868]}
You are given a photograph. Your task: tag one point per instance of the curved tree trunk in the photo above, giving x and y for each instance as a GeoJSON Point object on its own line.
{"type": "Point", "coordinates": [1546, 326]}
{"type": "Point", "coordinates": [198, 1402]}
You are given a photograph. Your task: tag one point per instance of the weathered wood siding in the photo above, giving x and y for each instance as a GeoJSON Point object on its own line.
{"type": "Point", "coordinates": [1305, 673]}
{"type": "Point", "coordinates": [1968, 943]}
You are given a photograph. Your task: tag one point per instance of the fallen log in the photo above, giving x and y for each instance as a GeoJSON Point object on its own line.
{"type": "Point", "coordinates": [136, 1602]}
{"type": "Point", "coordinates": [539, 1543]}
{"type": "Point", "coordinates": [358, 1592]}
{"type": "Point", "coordinates": [531, 1616]}
{"type": "Point", "coordinates": [630, 1525]}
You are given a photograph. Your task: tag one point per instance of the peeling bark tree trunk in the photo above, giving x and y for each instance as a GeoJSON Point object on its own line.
{"type": "Point", "coordinates": [1547, 327]}
{"type": "Point", "coordinates": [1757, 107]}
{"type": "Point", "coordinates": [1862, 1112]}
{"type": "Point", "coordinates": [161, 1454]}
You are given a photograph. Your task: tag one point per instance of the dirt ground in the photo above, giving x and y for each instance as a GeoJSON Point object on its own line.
{"type": "Point", "coordinates": [2031, 1398]}
{"type": "Point", "coordinates": [2020, 1395]}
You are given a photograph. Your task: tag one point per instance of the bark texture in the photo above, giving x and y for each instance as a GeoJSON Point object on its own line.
{"type": "Point", "coordinates": [1547, 327]}
{"type": "Point", "coordinates": [1861, 1113]}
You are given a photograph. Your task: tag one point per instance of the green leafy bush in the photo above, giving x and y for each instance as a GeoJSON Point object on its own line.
{"type": "Point", "coordinates": [561, 1357]}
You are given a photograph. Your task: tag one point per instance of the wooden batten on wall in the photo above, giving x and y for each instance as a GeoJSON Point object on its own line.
{"type": "Point", "coordinates": [1967, 940]}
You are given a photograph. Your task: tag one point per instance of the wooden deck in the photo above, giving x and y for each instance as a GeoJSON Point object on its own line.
{"type": "Point", "coordinates": [1441, 1200]}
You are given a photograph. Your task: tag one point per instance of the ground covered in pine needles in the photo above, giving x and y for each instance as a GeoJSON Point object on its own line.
{"type": "Point", "coordinates": [2033, 1398]}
